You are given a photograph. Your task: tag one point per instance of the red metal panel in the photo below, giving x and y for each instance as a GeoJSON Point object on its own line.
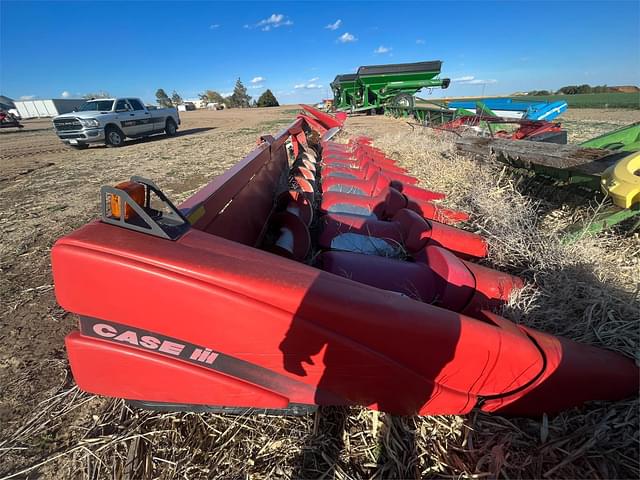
{"type": "Point", "coordinates": [148, 376]}
{"type": "Point", "coordinates": [359, 343]}
{"type": "Point", "coordinates": [221, 206]}
{"type": "Point", "coordinates": [245, 217]}
{"type": "Point", "coordinates": [327, 120]}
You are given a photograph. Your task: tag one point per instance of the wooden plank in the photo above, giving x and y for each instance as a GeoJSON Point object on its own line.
{"type": "Point", "coordinates": [524, 153]}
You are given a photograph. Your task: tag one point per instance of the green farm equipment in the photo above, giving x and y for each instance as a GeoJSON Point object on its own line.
{"type": "Point", "coordinates": [626, 139]}
{"type": "Point", "coordinates": [376, 87]}
{"type": "Point", "coordinates": [604, 167]}
{"type": "Point", "coordinates": [344, 88]}
{"type": "Point", "coordinates": [427, 113]}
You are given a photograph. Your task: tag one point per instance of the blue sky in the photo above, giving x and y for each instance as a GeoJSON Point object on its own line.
{"type": "Point", "coordinates": [55, 49]}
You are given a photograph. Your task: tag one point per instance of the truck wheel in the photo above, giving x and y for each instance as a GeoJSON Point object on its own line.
{"type": "Point", "coordinates": [403, 100]}
{"type": "Point", "coordinates": [170, 128]}
{"type": "Point", "coordinates": [80, 146]}
{"type": "Point", "coordinates": [114, 137]}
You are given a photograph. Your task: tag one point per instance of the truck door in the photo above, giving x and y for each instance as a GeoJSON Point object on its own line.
{"type": "Point", "coordinates": [126, 118]}
{"type": "Point", "coordinates": [142, 116]}
{"type": "Point", "coordinates": [129, 120]}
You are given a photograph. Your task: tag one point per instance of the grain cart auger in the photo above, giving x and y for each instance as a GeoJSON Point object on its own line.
{"type": "Point", "coordinates": [232, 300]}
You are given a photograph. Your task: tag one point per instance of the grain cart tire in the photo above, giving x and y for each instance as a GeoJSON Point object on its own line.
{"type": "Point", "coordinates": [170, 128]}
{"type": "Point", "coordinates": [403, 100]}
{"type": "Point", "coordinates": [113, 136]}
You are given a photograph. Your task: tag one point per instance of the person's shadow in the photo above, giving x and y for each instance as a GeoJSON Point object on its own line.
{"type": "Point", "coordinates": [346, 340]}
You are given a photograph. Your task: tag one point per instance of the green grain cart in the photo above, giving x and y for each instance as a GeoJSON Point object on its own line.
{"type": "Point", "coordinates": [375, 86]}
{"type": "Point", "coordinates": [344, 88]}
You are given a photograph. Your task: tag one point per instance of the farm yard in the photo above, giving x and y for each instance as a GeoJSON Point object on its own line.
{"type": "Point", "coordinates": [50, 429]}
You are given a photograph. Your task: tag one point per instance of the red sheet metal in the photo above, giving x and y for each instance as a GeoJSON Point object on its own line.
{"type": "Point", "coordinates": [367, 172]}
{"type": "Point", "coordinates": [407, 229]}
{"type": "Point", "coordinates": [313, 123]}
{"type": "Point", "coordinates": [376, 184]}
{"type": "Point", "coordinates": [386, 205]}
{"type": "Point", "coordinates": [317, 338]}
{"type": "Point", "coordinates": [328, 121]}
{"type": "Point", "coordinates": [220, 207]}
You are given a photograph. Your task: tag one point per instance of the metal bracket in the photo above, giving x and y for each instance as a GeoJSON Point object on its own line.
{"type": "Point", "coordinates": [169, 225]}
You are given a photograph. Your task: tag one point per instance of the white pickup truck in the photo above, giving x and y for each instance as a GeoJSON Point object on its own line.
{"type": "Point", "coordinates": [111, 120]}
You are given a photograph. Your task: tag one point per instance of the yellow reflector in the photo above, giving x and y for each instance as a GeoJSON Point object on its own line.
{"type": "Point", "coordinates": [135, 191]}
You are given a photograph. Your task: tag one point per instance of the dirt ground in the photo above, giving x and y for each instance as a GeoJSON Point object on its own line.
{"type": "Point", "coordinates": [47, 190]}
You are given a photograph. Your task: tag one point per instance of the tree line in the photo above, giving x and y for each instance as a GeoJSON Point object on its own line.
{"type": "Point", "coordinates": [575, 89]}
{"type": "Point", "coordinates": [238, 99]}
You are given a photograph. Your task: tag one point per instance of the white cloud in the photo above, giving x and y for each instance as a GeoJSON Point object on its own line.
{"type": "Point", "coordinates": [335, 25]}
{"type": "Point", "coordinates": [65, 94]}
{"type": "Point", "coordinates": [346, 37]}
{"type": "Point", "coordinates": [307, 86]}
{"type": "Point", "coordinates": [246, 25]}
{"type": "Point", "coordinates": [466, 78]}
{"type": "Point", "coordinates": [226, 94]}
{"type": "Point", "coordinates": [27, 97]}
{"type": "Point", "coordinates": [471, 80]}
{"type": "Point", "coordinates": [420, 41]}
{"type": "Point", "coordinates": [477, 81]}
{"type": "Point", "coordinates": [214, 26]}
{"type": "Point", "coordinates": [257, 79]}
{"type": "Point", "coordinates": [255, 86]}
{"type": "Point", "coordinates": [382, 49]}
{"type": "Point", "coordinates": [276, 20]}
{"type": "Point", "coordinates": [314, 79]}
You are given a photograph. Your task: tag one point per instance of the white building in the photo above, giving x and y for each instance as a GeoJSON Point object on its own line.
{"type": "Point", "coordinates": [47, 108]}
{"type": "Point", "coordinates": [197, 102]}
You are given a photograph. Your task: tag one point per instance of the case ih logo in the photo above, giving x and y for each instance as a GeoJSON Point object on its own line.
{"type": "Point", "coordinates": [145, 340]}
{"type": "Point", "coordinates": [197, 355]}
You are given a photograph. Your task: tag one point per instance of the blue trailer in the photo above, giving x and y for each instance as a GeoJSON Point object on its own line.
{"type": "Point", "coordinates": [509, 108]}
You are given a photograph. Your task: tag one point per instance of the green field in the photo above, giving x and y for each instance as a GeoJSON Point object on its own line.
{"type": "Point", "coordinates": [584, 100]}
{"type": "Point", "coordinates": [593, 100]}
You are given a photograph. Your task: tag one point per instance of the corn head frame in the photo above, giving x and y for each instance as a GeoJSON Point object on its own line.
{"type": "Point", "coordinates": [311, 273]}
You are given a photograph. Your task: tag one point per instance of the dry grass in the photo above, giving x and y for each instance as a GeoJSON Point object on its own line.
{"type": "Point", "coordinates": [586, 291]}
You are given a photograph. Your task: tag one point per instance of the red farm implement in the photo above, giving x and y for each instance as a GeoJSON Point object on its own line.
{"type": "Point", "coordinates": [508, 128]}
{"type": "Point", "coordinates": [9, 120]}
{"type": "Point", "coordinates": [311, 273]}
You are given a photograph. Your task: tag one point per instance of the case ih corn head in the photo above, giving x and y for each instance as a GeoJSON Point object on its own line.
{"type": "Point", "coordinates": [311, 273]}
{"type": "Point", "coordinates": [373, 87]}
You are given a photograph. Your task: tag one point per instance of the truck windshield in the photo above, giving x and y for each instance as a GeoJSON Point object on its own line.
{"type": "Point", "coordinates": [98, 105]}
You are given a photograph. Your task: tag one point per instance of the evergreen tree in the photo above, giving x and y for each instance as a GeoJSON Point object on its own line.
{"type": "Point", "coordinates": [163, 99]}
{"type": "Point", "coordinates": [176, 99]}
{"type": "Point", "coordinates": [239, 98]}
{"type": "Point", "coordinates": [268, 99]}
